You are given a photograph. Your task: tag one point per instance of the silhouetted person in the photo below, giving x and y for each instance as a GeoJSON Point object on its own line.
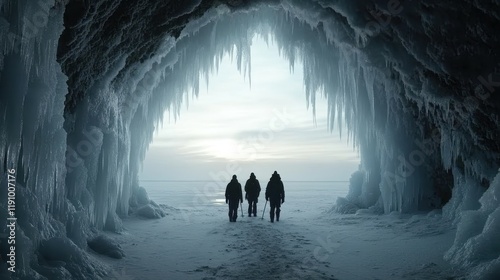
{"type": "Point", "coordinates": [275, 194]}
{"type": "Point", "coordinates": [233, 196]}
{"type": "Point", "coordinates": [252, 190]}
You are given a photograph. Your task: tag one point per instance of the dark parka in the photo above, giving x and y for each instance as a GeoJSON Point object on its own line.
{"type": "Point", "coordinates": [233, 191]}
{"type": "Point", "coordinates": [275, 192]}
{"type": "Point", "coordinates": [252, 188]}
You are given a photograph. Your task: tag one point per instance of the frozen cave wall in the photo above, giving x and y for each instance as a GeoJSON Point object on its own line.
{"type": "Point", "coordinates": [84, 83]}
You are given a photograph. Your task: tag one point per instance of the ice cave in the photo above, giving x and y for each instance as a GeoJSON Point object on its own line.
{"type": "Point", "coordinates": [84, 83]}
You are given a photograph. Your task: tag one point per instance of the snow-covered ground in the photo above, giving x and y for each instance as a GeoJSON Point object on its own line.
{"type": "Point", "coordinates": [309, 242]}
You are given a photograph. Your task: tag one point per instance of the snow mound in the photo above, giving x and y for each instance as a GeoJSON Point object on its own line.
{"type": "Point", "coordinates": [344, 206]}
{"type": "Point", "coordinates": [141, 205]}
{"type": "Point", "coordinates": [151, 211]}
{"type": "Point", "coordinates": [372, 210]}
{"type": "Point", "coordinates": [61, 259]}
{"type": "Point", "coordinates": [105, 245]}
{"type": "Point", "coordinates": [141, 196]}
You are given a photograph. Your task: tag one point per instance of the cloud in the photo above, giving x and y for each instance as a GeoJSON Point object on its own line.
{"type": "Point", "coordinates": [233, 122]}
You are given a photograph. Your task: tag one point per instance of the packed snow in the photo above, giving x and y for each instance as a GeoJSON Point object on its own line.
{"type": "Point", "coordinates": [309, 242]}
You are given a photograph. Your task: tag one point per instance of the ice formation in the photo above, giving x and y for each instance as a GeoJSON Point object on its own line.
{"type": "Point", "coordinates": [84, 83]}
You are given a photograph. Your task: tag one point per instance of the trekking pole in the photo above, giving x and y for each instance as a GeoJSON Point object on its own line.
{"type": "Point", "coordinates": [264, 211]}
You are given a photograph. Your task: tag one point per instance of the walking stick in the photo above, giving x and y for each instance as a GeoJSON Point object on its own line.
{"type": "Point", "coordinates": [264, 211]}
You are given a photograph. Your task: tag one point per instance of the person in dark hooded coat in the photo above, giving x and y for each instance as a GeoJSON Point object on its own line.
{"type": "Point", "coordinates": [275, 194]}
{"type": "Point", "coordinates": [252, 190]}
{"type": "Point", "coordinates": [233, 196]}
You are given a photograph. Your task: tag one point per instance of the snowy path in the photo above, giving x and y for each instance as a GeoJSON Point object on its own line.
{"type": "Point", "coordinates": [302, 245]}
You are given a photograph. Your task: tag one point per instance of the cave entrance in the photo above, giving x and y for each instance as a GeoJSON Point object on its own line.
{"type": "Point", "coordinates": [232, 127]}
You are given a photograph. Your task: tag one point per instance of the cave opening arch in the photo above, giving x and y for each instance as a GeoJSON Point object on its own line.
{"type": "Point", "coordinates": [364, 98]}
{"type": "Point", "coordinates": [405, 147]}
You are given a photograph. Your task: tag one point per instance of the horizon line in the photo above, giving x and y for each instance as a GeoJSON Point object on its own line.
{"type": "Point", "coordinates": [159, 180]}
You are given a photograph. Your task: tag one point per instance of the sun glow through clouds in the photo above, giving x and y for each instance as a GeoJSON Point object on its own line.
{"type": "Point", "coordinates": [265, 127]}
{"type": "Point", "coordinates": [224, 148]}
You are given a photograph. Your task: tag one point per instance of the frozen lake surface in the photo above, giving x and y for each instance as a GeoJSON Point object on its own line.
{"type": "Point", "coordinates": [310, 198]}
{"type": "Point", "coordinates": [196, 240]}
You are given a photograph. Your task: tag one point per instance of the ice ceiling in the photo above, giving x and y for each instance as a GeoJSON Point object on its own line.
{"type": "Point", "coordinates": [84, 82]}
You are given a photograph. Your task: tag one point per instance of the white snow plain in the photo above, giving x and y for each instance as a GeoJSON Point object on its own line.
{"type": "Point", "coordinates": [309, 242]}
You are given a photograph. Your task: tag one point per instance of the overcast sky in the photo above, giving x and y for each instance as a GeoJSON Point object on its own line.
{"type": "Point", "coordinates": [232, 128]}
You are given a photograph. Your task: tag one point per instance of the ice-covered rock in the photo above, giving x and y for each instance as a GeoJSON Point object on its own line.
{"type": "Point", "coordinates": [60, 257]}
{"type": "Point", "coordinates": [103, 244]}
{"type": "Point", "coordinates": [477, 246]}
{"type": "Point", "coordinates": [345, 206]}
{"type": "Point", "coordinates": [150, 211]}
